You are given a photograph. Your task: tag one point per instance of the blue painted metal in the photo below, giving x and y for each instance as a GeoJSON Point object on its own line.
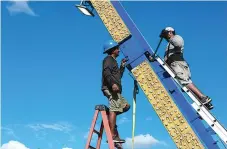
{"type": "Point", "coordinates": [134, 49]}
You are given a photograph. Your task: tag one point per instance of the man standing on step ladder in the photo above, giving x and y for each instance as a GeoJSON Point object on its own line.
{"type": "Point", "coordinates": [111, 86]}
{"type": "Point", "coordinates": [174, 58]}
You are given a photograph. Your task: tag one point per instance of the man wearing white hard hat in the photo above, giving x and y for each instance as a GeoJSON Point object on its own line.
{"type": "Point", "coordinates": [174, 58]}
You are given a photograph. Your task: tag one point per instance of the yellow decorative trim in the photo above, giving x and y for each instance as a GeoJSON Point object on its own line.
{"type": "Point", "coordinates": [113, 22]}
{"type": "Point", "coordinates": [168, 112]}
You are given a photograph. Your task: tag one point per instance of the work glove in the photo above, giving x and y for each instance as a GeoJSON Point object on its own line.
{"type": "Point", "coordinates": [123, 62]}
{"type": "Point", "coordinates": [163, 34]}
{"type": "Point", "coordinates": [152, 58]}
{"type": "Point", "coordinates": [108, 95]}
{"type": "Point", "coordinates": [115, 88]}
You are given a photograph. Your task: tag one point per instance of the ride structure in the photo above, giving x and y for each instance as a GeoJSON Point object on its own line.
{"type": "Point", "coordinates": [181, 118]}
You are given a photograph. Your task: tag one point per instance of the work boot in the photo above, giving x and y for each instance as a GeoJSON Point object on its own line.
{"type": "Point", "coordinates": [118, 145]}
{"type": "Point", "coordinates": [117, 140]}
{"type": "Point", "coordinates": [205, 100]}
{"type": "Point", "coordinates": [209, 106]}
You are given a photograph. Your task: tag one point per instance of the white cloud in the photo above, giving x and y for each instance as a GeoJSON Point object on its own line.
{"type": "Point", "coordinates": [67, 148]}
{"type": "Point", "coordinates": [20, 7]}
{"type": "Point", "coordinates": [9, 131]}
{"type": "Point", "coordinates": [57, 127]}
{"type": "Point", "coordinates": [149, 118]}
{"type": "Point", "coordinates": [43, 130]}
{"type": "Point", "coordinates": [123, 120]}
{"type": "Point", "coordinates": [64, 127]}
{"type": "Point", "coordinates": [13, 145]}
{"type": "Point", "coordinates": [35, 127]}
{"type": "Point", "coordinates": [142, 142]}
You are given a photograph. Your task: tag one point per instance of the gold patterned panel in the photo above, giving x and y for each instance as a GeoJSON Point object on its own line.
{"type": "Point", "coordinates": [113, 22]}
{"type": "Point", "coordinates": [171, 117]}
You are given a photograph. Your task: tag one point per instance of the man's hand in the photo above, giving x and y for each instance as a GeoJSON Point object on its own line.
{"type": "Point", "coordinates": [115, 88]}
{"type": "Point", "coordinates": [163, 34]}
{"type": "Point", "coordinates": [123, 62]}
{"type": "Point", "coordinates": [152, 58]}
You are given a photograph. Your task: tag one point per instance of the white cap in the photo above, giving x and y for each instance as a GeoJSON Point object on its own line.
{"type": "Point", "coordinates": [169, 29]}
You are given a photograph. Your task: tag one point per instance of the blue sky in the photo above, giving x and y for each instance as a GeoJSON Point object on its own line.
{"type": "Point", "coordinates": [51, 69]}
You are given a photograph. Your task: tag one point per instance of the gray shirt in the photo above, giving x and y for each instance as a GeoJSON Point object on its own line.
{"type": "Point", "coordinates": [175, 46]}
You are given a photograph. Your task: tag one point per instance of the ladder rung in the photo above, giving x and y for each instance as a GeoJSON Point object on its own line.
{"type": "Point", "coordinates": [202, 111]}
{"type": "Point", "coordinates": [95, 131]}
{"type": "Point", "coordinates": [92, 147]}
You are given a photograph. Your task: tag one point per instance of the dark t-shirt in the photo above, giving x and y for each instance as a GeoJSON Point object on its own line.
{"type": "Point", "coordinates": [111, 73]}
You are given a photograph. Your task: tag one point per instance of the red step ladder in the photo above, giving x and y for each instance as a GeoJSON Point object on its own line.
{"type": "Point", "coordinates": [104, 110]}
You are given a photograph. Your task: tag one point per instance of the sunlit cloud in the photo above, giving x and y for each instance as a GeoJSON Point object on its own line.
{"type": "Point", "coordinates": [17, 7]}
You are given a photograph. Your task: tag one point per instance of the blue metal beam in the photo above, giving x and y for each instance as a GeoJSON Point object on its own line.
{"type": "Point", "coordinates": [134, 49]}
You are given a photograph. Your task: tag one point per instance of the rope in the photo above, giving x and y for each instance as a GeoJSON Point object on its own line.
{"type": "Point", "coordinates": [135, 91]}
{"type": "Point", "coordinates": [156, 50]}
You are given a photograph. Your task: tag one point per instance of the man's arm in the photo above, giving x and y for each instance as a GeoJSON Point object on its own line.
{"type": "Point", "coordinates": [176, 41]}
{"type": "Point", "coordinates": [122, 67]}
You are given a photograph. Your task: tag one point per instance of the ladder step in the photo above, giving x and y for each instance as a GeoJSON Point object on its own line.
{"type": "Point", "coordinates": [92, 147]}
{"type": "Point", "coordinates": [95, 131]}
{"type": "Point", "coordinates": [104, 127]}
{"type": "Point", "coordinates": [202, 111]}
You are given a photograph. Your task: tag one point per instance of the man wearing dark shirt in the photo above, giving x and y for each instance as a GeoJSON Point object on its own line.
{"type": "Point", "coordinates": [111, 86]}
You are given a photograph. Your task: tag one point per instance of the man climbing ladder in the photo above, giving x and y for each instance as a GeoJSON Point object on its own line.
{"type": "Point", "coordinates": [174, 58]}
